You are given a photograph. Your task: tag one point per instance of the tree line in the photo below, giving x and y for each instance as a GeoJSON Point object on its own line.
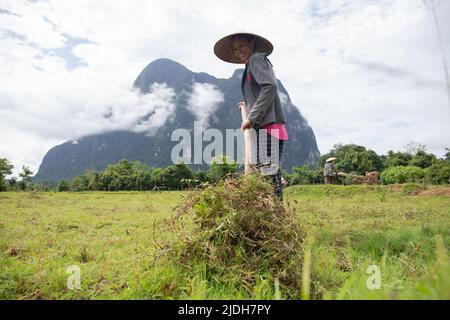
{"type": "Point", "coordinates": [25, 181]}
{"type": "Point", "coordinates": [122, 176]}
{"type": "Point", "coordinates": [413, 165]}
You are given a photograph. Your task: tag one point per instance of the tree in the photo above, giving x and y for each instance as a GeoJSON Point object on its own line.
{"type": "Point", "coordinates": [422, 159]}
{"type": "Point", "coordinates": [158, 177]}
{"type": "Point", "coordinates": [394, 159]}
{"type": "Point", "coordinates": [26, 176]}
{"type": "Point", "coordinates": [117, 176]}
{"type": "Point", "coordinates": [77, 184]}
{"type": "Point", "coordinates": [90, 180]}
{"type": "Point", "coordinates": [141, 175]}
{"type": "Point", "coordinates": [5, 169]}
{"type": "Point", "coordinates": [220, 167]}
{"type": "Point", "coordinates": [353, 158]}
{"type": "Point", "coordinates": [439, 172]}
{"type": "Point", "coordinates": [12, 183]}
{"type": "Point", "coordinates": [413, 148]}
{"type": "Point", "coordinates": [174, 174]}
{"type": "Point", "coordinates": [63, 185]}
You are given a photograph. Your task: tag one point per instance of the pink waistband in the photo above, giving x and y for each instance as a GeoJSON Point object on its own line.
{"type": "Point", "coordinates": [277, 130]}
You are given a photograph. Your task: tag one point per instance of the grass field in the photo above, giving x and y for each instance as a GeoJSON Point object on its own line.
{"type": "Point", "coordinates": [401, 230]}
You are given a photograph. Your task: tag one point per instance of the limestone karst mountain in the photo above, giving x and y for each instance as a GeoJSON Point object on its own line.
{"type": "Point", "coordinates": [99, 150]}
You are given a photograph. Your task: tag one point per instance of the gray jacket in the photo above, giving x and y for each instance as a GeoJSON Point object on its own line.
{"type": "Point", "coordinates": [329, 169]}
{"type": "Point", "coordinates": [260, 91]}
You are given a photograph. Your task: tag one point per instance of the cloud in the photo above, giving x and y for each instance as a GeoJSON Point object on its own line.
{"type": "Point", "coordinates": [31, 24]}
{"type": "Point", "coordinates": [128, 110]}
{"type": "Point", "coordinates": [204, 101]}
{"type": "Point", "coordinates": [363, 63]}
{"type": "Point", "coordinates": [144, 113]}
{"type": "Point", "coordinates": [52, 116]}
{"type": "Point", "coordinates": [393, 72]}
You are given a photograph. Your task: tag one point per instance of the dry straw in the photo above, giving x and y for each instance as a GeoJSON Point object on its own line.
{"type": "Point", "coordinates": [237, 231]}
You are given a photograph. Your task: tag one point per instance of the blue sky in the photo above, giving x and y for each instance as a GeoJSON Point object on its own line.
{"type": "Point", "coordinates": [363, 71]}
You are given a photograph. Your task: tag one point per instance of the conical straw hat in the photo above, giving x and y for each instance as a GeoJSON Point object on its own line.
{"type": "Point", "coordinates": [223, 50]}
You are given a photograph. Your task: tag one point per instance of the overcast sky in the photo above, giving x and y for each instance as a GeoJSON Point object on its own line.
{"type": "Point", "coordinates": [368, 72]}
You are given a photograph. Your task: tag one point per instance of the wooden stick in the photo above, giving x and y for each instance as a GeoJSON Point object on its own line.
{"type": "Point", "coordinates": [250, 157]}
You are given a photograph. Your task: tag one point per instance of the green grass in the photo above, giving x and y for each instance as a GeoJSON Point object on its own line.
{"type": "Point", "coordinates": [111, 236]}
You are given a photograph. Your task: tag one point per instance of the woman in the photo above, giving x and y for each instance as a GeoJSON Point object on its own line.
{"type": "Point", "coordinates": [260, 92]}
{"type": "Point", "coordinates": [329, 170]}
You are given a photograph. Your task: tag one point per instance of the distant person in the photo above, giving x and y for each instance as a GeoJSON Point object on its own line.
{"type": "Point", "coordinates": [329, 170]}
{"type": "Point", "coordinates": [260, 92]}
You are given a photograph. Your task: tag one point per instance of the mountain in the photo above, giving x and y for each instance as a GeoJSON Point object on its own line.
{"type": "Point", "coordinates": [97, 151]}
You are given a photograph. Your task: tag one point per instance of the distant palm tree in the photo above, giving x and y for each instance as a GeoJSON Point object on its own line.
{"type": "Point", "coordinates": [432, 5]}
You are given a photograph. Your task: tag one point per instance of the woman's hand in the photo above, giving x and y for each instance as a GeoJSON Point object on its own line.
{"type": "Point", "coordinates": [246, 125]}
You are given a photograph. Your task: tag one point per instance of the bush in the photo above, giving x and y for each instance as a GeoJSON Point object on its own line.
{"type": "Point", "coordinates": [305, 175]}
{"type": "Point", "coordinates": [402, 174]}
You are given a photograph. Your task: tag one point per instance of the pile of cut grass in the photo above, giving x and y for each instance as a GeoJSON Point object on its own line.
{"type": "Point", "coordinates": [237, 232]}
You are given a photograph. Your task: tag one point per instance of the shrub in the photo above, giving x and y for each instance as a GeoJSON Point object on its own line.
{"type": "Point", "coordinates": [305, 175]}
{"type": "Point", "coordinates": [402, 174]}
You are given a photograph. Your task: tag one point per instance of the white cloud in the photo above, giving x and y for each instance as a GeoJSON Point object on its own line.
{"type": "Point", "coordinates": [155, 107]}
{"type": "Point", "coordinates": [30, 22]}
{"type": "Point", "coordinates": [204, 101]}
{"type": "Point", "coordinates": [368, 72]}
